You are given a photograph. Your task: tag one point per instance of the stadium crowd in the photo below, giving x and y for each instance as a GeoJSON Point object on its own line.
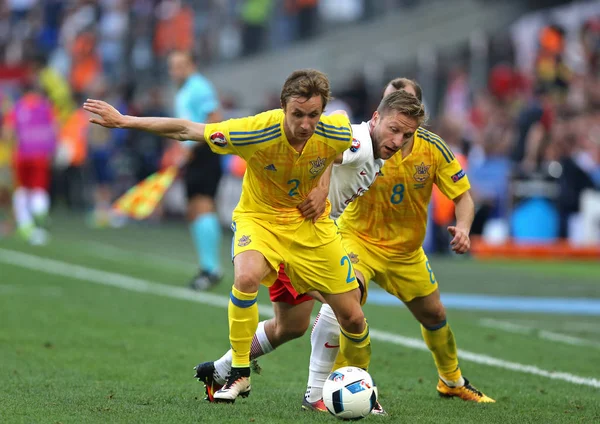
{"type": "Point", "coordinates": [533, 122]}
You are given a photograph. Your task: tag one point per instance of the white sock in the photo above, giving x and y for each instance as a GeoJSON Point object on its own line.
{"type": "Point", "coordinates": [260, 346]}
{"type": "Point", "coordinates": [325, 332]}
{"type": "Point", "coordinates": [39, 200]}
{"type": "Point", "coordinates": [260, 343]}
{"type": "Point", "coordinates": [21, 208]}
{"type": "Point", "coordinates": [458, 383]}
{"type": "Point", "coordinates": [223, 367]}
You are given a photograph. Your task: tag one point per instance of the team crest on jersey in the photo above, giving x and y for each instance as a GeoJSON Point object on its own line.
{"type": "Point", "coordinates": [218, 139]}
{"type": "Point", "coordinates": [244, 241]}
{"type": "Point", "coordinates": [422, 173]}
{"type": "Point", "coordinates": [353, 257]}
{"type": "Point", "coordinates": [317, 166]}
{"type": "Point", "coordinates": [355, 145]}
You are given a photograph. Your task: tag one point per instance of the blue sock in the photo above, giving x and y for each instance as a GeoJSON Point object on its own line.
{"type": "Point", "coordinates": [206, 233]}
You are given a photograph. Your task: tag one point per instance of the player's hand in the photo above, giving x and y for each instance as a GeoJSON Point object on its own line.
{"type": "Point", "coordinates": [460, 242]}
{"type": "Point", "coordinates": [314, 205]}
{"type": "Point", "coordinates": [109, 117]}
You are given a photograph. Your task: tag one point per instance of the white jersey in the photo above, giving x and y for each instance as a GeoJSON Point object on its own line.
{"type": "Point", "coordinates": [356, 173]}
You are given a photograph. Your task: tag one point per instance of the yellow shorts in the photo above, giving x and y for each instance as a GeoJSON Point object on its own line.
{"type": "Point", "coordinates": [313, 254]}
{"type": "Point", "coordinates": [406, 277]}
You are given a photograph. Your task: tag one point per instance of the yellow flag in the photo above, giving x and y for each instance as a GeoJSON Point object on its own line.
{"type": "Point", "coordinates": [141, 200]}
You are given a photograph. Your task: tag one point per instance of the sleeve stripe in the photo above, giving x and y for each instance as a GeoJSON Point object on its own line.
{"type": "Point", "coordinates": [347, 139]}
{"type": "Point", "coordinates": [438, 147]}
{"type": "Point", "coordinates": [325, 130]}
{"type": "Point", "coordinates": [333, 127]}
{"type": "Point", "coordinates": [256, 137]}
{"type": "Point", "coordinates": [431, 137]}
{"type": "Point", "coordinates": [258, 141]}
{"type": "Point", "coordinates": [442, 143]}
{"type": "Point", "coordinates": [254, 132]}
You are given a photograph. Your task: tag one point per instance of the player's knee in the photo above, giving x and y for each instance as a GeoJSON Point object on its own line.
{"type": "Point", "coordinates": [434, 316]}
{"type": "Point", "coordinates": [247, 282]}
{"type": "Point", "coordinates": [352, 321]}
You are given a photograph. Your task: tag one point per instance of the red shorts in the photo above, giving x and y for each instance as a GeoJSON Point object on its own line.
{"type": "Point", "coordinates": [283, 291]}
{"type": "Point", "coordinates": [32, 172]}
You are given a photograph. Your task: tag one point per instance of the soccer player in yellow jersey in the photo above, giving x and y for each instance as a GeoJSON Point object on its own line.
{"type": "Point", "coordinates": [383, 233]}
{"type": "Point", "coordinates": [286, 150]}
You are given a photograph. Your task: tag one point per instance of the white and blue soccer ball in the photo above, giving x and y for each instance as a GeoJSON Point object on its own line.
{"type": "Point", "coordinates": [349, 393]}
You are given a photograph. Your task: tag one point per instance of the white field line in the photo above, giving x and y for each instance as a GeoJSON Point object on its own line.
{"type": "Point", "coordinates": [119, 254]}
{"type": "Point", "coordinates": [568, 326]}
{"type": "Point", "coordinates": [532, 331]}
{"type": "Point", "coordinates": [64, 269]}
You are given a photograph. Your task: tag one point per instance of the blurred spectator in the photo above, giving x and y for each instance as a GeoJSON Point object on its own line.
{"type": "Point", "coordinates": [56, 87]}
{"type": "Point", "coordinates": [102, 149]}
{"type": "Point", "coordinates": [551, 71]}
{"type": "Point", "coordinates": [112, 29]}
{"type": "Point", "coordinates": [175, 27]}
{"type": "Point", "coordinates": [31, 123]}
{"type": "Point", "coordinates": [442, 208]}
{"type": "Point", "coordinates": [147, 148]}
{"type": "Point", "coordinates": [71, 157]}
{"type": "Point", "coordinates": [306, 14]}
{"type": "Point", "coordinates": [255, 18]}
{"type": "Point", "coordinates": [86, 66]}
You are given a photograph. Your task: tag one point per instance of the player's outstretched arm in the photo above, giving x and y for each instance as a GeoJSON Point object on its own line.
{"type": "Point", "coordinates": [464, 209]}
{"type": "Point", "coordinates": [177, 129]}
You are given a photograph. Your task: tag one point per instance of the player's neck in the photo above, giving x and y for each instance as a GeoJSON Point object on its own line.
{"type": "Point", "coordinates": [297, 145]}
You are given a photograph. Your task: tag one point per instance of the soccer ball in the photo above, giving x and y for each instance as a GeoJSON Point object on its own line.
{"type": "Point", "coordinates": [349, 393]}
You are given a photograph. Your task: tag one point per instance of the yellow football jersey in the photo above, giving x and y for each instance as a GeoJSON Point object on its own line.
{"type": "Point", "coordinates": [278, 178]}
{"type": "Point", "coordinates": [393, 213]}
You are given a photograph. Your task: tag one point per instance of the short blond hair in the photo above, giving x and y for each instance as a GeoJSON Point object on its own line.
{"type": "Point", "coordinates": [405, 103]}
{"type": "Point", "coordinates": [306, 83]}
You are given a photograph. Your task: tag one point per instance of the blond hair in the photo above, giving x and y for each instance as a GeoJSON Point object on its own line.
{"type": "Point", "coordinates": [405, 103]}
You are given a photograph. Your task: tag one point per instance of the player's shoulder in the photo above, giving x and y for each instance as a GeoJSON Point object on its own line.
{"type": "Point", "coordinates": [433, 142]}
{"type": "Point", "coordinates": [334, 127]}
{"type": "Point", "coordinates": [270, 119]}
{"type": "Point", "coordinates": [361, 140]}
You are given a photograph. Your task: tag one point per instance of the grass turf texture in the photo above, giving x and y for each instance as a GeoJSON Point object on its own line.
{"type": "Point", "coordinates": [73, 351]}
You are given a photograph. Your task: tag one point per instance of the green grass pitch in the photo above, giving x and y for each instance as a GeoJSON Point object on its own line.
{"type": "Point", "coordinates": [74, 349]}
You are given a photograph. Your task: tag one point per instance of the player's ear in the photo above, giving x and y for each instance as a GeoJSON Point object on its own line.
{"type": "Point", "coordinates": [375, 117]}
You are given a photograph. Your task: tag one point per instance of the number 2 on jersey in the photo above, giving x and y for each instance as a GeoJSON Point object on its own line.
{"type": "Point", "coordinates": [397, 194]}
{"type": "Point", "coordinates": [294, 189]}
{"type": "Point", "coordinates": [349, 277]}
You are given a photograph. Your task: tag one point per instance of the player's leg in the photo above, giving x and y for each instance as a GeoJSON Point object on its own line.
{"type": "Point", "coordinates": [20, 198]}
{"type": "Point", "coordinates": [250, 268]}
{"type": "Point", "coordinates": [327, 269]}
{"type": "Point", "coordinates": [415, 284]}
{"type": "Point", "coordinates": [202, 176]}
{"type": "Point", "coordinates": [325, 343]}
{"type": "Point", "coordinates": [291, 320]}
{"type": "Point", "coordinates": [39, 200]}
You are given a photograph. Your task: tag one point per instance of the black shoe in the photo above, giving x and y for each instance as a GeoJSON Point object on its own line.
{"type": "Point", "coordinates": [205, 372]}
{"type": "Point", "coordinates": [205, 281]}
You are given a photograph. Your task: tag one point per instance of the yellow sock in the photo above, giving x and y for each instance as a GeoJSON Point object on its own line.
{"type": "Point", "coordinates": [243, 321]}
{"type": "Point", "coordinates": [442, 345]}
{"type": "Point", "coordinates": [356, 348]}
{"type": "Point", "coordinates": [340, 361]}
